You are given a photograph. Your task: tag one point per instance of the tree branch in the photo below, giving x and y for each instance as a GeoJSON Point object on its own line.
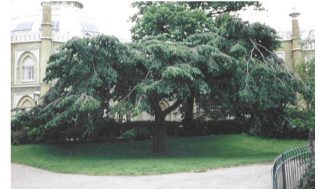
{"type": "Point", "coordinates": [155, 104]}
{"type": "Point", "coordinates": [173, 107]}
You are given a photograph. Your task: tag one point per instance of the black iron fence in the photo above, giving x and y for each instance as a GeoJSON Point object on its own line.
{"type": "Point", "coordinates": [289, 167]}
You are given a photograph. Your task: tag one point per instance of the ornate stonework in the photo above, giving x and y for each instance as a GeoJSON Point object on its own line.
{"type": "Point", "coordinates": [35, 37]}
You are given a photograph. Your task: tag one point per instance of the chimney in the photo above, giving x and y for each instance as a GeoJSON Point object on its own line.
{"type": "Point", "coordinates": [46, 42]}
{"type": "Point", "coordinates": [296, 41]}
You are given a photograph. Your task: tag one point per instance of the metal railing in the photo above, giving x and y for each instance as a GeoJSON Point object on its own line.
{"type": "Point", "coordinates": [289, 167]}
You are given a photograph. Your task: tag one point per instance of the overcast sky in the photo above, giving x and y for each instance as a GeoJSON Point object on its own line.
{"type": "Point", "coordinates": [111, 17]}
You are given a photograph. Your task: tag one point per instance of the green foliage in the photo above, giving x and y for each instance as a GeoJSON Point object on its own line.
{"type": "Point", "coordinates": [129, 135]}
{"type": "Point", "coordinates": [121, 108]}
{"type": "Point", "coordinates": [168, 72]}
{"type": "Point", "coordinates": [85, 80]}
{"type": "Point", "coordinates": [24, 127]}
{"type": "Point", "coordinates": [111, 131]}
{"type": "Point", "coordinates": [19, 137]}
{"type": "Point", "coordinates": [85, 73]}
{"type": "Point", "coordinates": [245, 76]}
{"type": "Point", "coordinates": [308, 179]}
{"type": "Point", "coordinates": [174, 19]}
{"type": "Point", "coordinates": [219, 7]}
{"type": "Point", "coordinates": [302, 118]}
{"type": "Point", "coordinates": [139, 132]}
{"type": "Point", "coordinates": [303, 114]}
{"type": "Point", "coordinates": [179, 52]}
{"type": "Point", "coordinates": [179, 20]}
{"type": "Point", "coordinates": [306, 71]}
{"type": "Point", "coordinates": [249, 36]}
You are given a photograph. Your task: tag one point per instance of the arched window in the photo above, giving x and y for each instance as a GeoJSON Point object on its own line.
{"type": "Point", "coordinates": [28, 69]}
{"type": "Point", "coordinates": [26, 102]}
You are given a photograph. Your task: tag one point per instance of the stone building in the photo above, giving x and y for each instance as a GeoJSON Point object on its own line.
{"type": "Point", "coordinates": [34, 38]}
{"type": "Point", "coordinates": [297, 46]}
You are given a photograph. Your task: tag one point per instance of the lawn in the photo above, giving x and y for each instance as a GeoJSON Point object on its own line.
{"type": "Point", "coordinates": [135, 158]}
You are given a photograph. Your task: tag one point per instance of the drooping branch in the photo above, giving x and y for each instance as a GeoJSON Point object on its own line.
{"type": "Point", "coordinates": [128, 95]}
{"type": "Point", "coordinates": [172, 107]}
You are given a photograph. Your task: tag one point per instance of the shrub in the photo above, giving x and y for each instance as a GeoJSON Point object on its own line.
{"type": "Point", "coordinates": [111, 131]}
{"type": "Point", "coordinates": [276, 123]}
{"type": "Point", "coordinates": [26, 127]}
{"type": "Point", "coordinates": [19, 137]}
{"type": "Point", "coordinates": [142, 133]}
{"type": "Point", "coordinates": [302, 118]}
{"type": "Point", "coordinates": [308, 180]}
{"type": "Point", "coordinates": [129, 135]}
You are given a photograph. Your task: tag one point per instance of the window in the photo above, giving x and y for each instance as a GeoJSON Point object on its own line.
{"type": "Point", "coordinates": [121, 118]}
{"type": "Point", "coordinates": [28, 70]}
{"type": "Point", "coordinates": [56, 26]}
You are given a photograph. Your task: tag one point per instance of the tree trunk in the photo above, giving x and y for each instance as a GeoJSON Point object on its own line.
{"type": "Point", "coordinates": [188, 114]}
{"type": "Point", "coordinates": [159, 140]}
{"type": "Point", "coordinates": [312, 141]}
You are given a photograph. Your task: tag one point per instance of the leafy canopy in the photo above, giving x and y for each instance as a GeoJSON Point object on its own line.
{"type": "Point", "coordinates": [85, 73]}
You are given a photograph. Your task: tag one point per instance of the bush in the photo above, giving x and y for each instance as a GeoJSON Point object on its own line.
{"type": "Point", "coordinates": [276, 123]}
{"type": "Point", "coordinates": [212, 127]}
{"type": "Point", "coordinates": [111, 131]}
{"type": "Point", "coordinates": [19, 137]}
{"type": "Point", "coordinates": [129, 135]}
{"type": "Point", "coordinates": [142, 130]}
{"type": "Point", "coordinates": [25, 127]}
{"type": "Point", "coordinates": [308, 180]}
{"type": "Point", "coordinates": [302, 118]}
{"type": "Point", "coordinates": [142, 133]}
{"type": "Point", "coordinates": [137, 133]}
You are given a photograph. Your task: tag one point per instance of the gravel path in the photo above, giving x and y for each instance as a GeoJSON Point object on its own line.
{"type": "Point", "coordinates": [253, 176]}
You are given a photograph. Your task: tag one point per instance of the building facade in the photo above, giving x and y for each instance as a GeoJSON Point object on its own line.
{"type": "Point", "coordinates": [297, 46]}
{"type": "Point", "coordinates": [34, 38]}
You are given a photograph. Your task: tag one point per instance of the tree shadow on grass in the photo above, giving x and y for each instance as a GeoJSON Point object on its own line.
{"type": "Point", "coordinates": [185, 147]}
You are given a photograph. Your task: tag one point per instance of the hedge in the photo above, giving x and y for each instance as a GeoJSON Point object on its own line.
{"type": "Point", "coordinates": [112, 131]}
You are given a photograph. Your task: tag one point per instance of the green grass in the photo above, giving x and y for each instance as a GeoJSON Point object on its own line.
{"type": "Point", "coordinates": [136, 158]}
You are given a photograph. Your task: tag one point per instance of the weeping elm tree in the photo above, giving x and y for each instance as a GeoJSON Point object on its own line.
{"type": "Point", "coordinates": [179, 20]}
{"type": "Point", "coordinates": [167, 74]}
{"type": "Point", "coordinates": [250, 44]}
{"type": "Point", "coordinates": [90, 72]}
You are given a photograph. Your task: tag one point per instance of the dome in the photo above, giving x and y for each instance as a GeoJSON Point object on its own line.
{"type": "Point", "coordinates": [68, 19]}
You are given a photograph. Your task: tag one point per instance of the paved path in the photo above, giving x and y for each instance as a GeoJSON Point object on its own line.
{"type": "Point", "coordinates": [245, 177]}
